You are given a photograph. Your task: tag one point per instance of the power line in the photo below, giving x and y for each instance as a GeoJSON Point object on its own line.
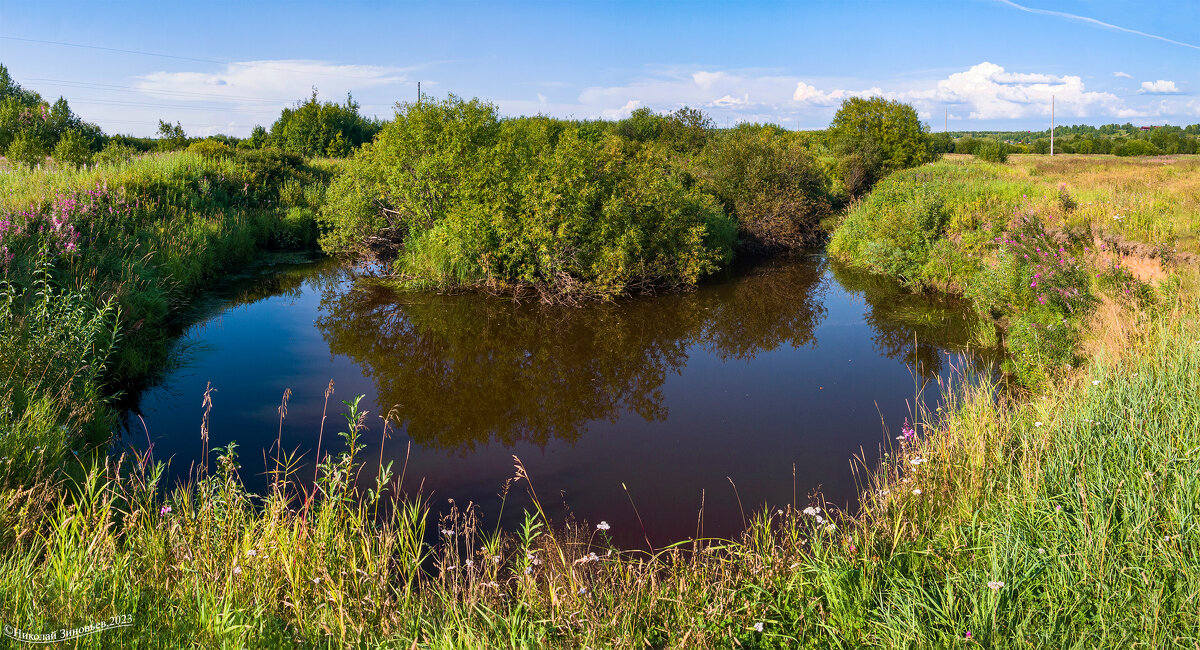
{"type": "Point", "coordinates": [186, 58]}
{"type": "Point", "coordinates": [174, 107]}
{"type": "Point", "coordinates": [67, 83]}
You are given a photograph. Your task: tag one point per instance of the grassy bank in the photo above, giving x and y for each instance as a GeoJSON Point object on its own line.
{"type": "Point", "coordinates": [97, 265]}
{"type": "Point", "coordinates": [1032, 243]}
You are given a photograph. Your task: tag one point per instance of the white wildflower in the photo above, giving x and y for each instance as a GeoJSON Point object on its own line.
{"type": "Point", "coordinates": [1095, 382]}
{"type": "Point", "coordinates": [995, 585]}
{"type": "Point", "coordinates": [1037, 424]}
{"type": "Point", "coordinates": [251, 552]}
{"type": "Point", "coordinates": [918, 461]}
{"type": "Point", "coordinates": [917, 491]}
{"type": "Point", "coordinates": [603, 526]}
{"type": "Point", "coordinates": [758, 627]}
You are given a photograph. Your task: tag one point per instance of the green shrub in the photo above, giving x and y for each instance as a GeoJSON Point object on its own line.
{"type": "Point", "coordinates": [1137, 148]}
{"type": "Point", "coordinates": [1041, 343]}
{"type": "Point", "coordinates": [893, 229]}
{"type": "Point", "coordinates": [72, 149]}
{"type": "Point", "coordinates": [449, 194]}
{"type": "Point", "coordinates": [210, 148]}
{"type": "Point", "coordinates": [26, 150]}
{"type": "Point", "coordinates": [992, 151]}
{"type": "Point", "coordinates": [770, 183]}
{"type": "Point", "coordinates": [115, 153]}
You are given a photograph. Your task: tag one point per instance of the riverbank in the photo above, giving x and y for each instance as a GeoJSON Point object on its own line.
{"type": "Point", "coordinates": [99, 264]}
{"type": "Point", "coordinates": [1065, 513]}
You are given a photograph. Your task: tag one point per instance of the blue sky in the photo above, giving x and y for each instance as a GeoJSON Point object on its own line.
{"type": "Point", "coordinates": [226, 66]}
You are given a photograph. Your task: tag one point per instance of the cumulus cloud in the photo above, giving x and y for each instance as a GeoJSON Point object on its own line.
{"type": "Point", "coordinates": [989, 92]}
{"type": "Point", "coordinates": [1160, 87]}
{"type": "Point", "coordinates": [1125, 75]}
{"type": "Point", "coordinates": [812, 96]}
{"type": "Point", "coordinates": [983, 92]}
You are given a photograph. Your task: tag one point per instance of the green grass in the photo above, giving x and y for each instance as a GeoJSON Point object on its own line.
{"type": "Point", "coordinates": [1080, 497]}
{"type": "Point", "coordinates": [121, 248]}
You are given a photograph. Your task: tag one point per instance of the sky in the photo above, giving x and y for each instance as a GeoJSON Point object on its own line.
{"type": "Point", "coordinates": [223, 67]}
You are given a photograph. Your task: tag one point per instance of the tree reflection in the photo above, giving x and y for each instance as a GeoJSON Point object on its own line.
{"type": "Point", "coordinates": [467, 369]}
{"type": "Point", "coordinates": [913, 327]}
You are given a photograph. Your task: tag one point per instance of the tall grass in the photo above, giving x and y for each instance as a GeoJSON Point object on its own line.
{"type": "Point", "coordinates": [1082, 502]}
{"type": "Point", "coordinates": [112, 253]}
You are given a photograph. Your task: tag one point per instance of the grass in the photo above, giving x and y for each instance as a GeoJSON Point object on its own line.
{"type": "Point", "coordinates": [1065, 516]}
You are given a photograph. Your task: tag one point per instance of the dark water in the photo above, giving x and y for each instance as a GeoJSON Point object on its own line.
{"type": "Point", "coordinates": [797, 363]}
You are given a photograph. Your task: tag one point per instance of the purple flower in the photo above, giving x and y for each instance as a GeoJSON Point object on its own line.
{"type": "Point", "coordinates": [164, 511]}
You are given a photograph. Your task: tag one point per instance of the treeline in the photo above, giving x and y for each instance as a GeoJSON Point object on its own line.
{"type": "Point", "coordinates": [1117, 139]}
{"type": "Point", "coordinates": [450, 194]}
{"type": "Point", "coordinates": [33, 129]}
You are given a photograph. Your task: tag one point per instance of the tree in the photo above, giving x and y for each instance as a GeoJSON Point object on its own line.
{"type": "Point", "coordinates": [315, 128]}
{"type": "Point", "coordinates": [171, 137]}
{"type": "Point", "coordinates": [26, 149]}
{"type": "Point", "coordinates": [876, 136]}
{"type": "Point", "coordinates": [73, 149]}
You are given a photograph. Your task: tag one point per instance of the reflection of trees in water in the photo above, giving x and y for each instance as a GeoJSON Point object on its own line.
{"type": "Point", "coordinates": [280, 274]}
{"type": "Point", "coordinates": [465, 369]}
{"type": "Point", "coordinates": [912, 327]}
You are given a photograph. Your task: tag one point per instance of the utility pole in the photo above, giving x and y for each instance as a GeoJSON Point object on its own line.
{"type": "Point", "coordinates": [418, 93]}
{"type": "Point", "coordinates": [1051, 125]}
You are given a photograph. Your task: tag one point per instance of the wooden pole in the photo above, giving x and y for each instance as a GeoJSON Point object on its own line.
{"type": "Point", "coordinates": [418, 92]}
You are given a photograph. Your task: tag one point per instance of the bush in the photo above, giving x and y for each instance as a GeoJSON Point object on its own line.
{"type": "Point", "coordinates": [115, 153]}
{"type": "Point", "coordinates": [313, 128]}
{"type": "Point", "coordinates": [1137, 148]}
{"type": "Point", "coordinates": [72, 149]}
{"type": "Point", "coordinates": [992, 151]}
{"type": "Point", "coordinates": [26, 150]}
{"type": "Point", "coordinates": [268, 167]}
{"type": "Point", "coordinates": [210, 148]}
{"type": "Point", "coordinates": [967, 145]}
{"type": "Point", "coordinates": [451, 195]}
{"type": "Point", "coordinates": [893, 229]}
{"type": "Point", "coordinates": [770, 183]}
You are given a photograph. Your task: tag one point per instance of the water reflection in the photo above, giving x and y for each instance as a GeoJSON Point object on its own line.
{"type": "Point", "coordinates": [464, 370]}
{"type": "Point", "coordinates": [772, 378]}
{"type": "Point", "coordinates": [911, 327]}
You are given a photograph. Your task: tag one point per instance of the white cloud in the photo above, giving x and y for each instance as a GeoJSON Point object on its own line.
{"type": "Point", "coordinates": [810, 95]}
{"type": "Point", "coordinates": [1160, 87]}
{"type": "Point", "coordinates": [240, 95]}
{"type": "Point", "coordinates": [624, 111]}
{"type": "Point", "coordinates": [729, 101]}
{"type": "Point", "coordinates": [1125, 75]}
{"type": "Point", "coordinates": [990, 92]}
{"type": "Point", "coordinates": [982, 93]}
